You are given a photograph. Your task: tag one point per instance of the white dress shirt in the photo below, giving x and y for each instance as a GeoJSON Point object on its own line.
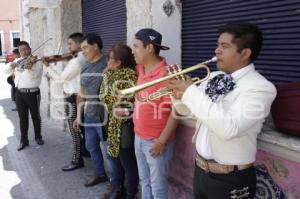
{"type": "Point", "coordinates": [25, 78]}
{"type": "Point", "coordinates": [227, 129]}
{"type": "Point", "coordinates": [70, 76]}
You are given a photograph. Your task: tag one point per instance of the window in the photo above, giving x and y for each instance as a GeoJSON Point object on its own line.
{"type": "Point", "coordinates": [15, 38]}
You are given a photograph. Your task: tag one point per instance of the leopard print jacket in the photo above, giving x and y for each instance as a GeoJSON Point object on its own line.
{"type": "Point", "coordinates": [120, 79]}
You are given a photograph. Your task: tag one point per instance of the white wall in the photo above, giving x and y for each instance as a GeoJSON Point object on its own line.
{"type": "Point", "coordinates": [138, 16]}
{"type": "Point", "coordinates": [149, 13]}
{"type": "Point", "coordinates": [170, 28]}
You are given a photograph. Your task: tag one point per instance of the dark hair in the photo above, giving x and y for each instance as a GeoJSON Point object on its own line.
{"type": "Point", "coordinates": [23, 43]}
{"type": "Point", "coordinates": [245, 35]}
{"type": "Point", "coordinates": [123, 53]}
{"type": "Point", "coordinates": [76, 36]}
{"type": "Point", "coordinates": [156, 48]}
{"type": "Point", "coordinates": [16, 51]}
{"type": "Point", "coordinates": [93, 38]}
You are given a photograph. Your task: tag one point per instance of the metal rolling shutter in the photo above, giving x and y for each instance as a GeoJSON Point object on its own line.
{"type": "Point", "coordinates": [107, 18]}
{"type": "Point", "coordinates": [279, 60]}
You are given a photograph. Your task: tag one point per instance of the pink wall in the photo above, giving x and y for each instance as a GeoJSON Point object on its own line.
{"type": "Point", "coordinates": [9, 21]}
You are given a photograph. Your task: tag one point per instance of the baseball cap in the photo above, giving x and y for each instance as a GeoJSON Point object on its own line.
{"type": "Point", "coordinates": [149, 35]}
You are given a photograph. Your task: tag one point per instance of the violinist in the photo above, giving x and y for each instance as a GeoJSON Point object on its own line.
{"type": "Point", "coordinates": [70, 77]}
{"type": "Point", "coordinates": [28, 77]}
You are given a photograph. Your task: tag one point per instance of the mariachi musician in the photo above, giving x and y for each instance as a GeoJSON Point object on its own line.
{"type": "Point", "coordinates": [28, 77]}
{"type": "Point", "coordinates": [70, 77]}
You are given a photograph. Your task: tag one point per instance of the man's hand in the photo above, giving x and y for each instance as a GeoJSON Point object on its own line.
{"type": "Point", "coordinates": [46, 60]}
{"type": "Point", "coordinates": [179, 86]}
{"type": "Point", "coordinates": [157, 148]}
{"type": "Point", "coordinates": [32, 59]}
{"type": "Point", "coordinates": [121, 112]}
{"type": "Point", "coordinates": [76, 124]}
{"type": "Point", "coordinates": [13, 65]}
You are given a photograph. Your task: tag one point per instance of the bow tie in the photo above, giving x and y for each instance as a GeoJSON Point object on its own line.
{"type": "Point", "coordinates": [219, 85]}
{"type": "Point", "coordinates": [21, 64]}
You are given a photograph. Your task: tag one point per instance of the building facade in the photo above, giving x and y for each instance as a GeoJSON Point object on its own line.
{"type": "Point", "coordinates": [189, 28]}
{"type": "Point", "coordinates": [9, 26]}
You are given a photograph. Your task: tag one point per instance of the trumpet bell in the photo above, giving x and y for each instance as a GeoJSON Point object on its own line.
{"type": "Point", "coordinates": [174, 71]}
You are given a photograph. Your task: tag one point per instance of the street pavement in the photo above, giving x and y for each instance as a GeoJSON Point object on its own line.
{"type": "Point", "coordinates": [35, 172]}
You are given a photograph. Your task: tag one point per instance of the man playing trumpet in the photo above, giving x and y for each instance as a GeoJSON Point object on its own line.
{"type": "Point", "coordinates": [231, 108]}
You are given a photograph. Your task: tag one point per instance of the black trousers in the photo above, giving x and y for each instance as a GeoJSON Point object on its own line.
{"type": "Point", "coordinates": [77, 136]}
{"type": "Point", "coordinates": [237, 184]}
{"type": "Point", "coordinates": [29, 101]}
{"type": "Point", "coordinates": [13, 93]}
{"type": "Point", "coordinates": [129, 164]}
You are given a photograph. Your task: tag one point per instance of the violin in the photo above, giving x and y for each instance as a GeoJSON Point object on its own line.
{"type": "Point", "coordinates": [25, 63]}
{"type": "Point", "coordinates": [56, 58]}
{"type": "Point", "coordinates": [47, 59]}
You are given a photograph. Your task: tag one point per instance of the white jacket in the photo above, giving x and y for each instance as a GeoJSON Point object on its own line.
{"type": "Point", "coordinates": [231, 125]}
{"type": "Point", "coordinates": [70, 76]}
{"type": "Point", "coordinates": [25, 78]}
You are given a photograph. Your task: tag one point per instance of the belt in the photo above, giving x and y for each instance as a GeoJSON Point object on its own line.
{"type": "Point", "coordinates": [214, 167]}
{"type": "Point", "coordinates": [28, 90]}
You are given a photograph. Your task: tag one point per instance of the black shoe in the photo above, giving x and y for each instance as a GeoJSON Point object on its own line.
{"type": "Point", "coordinates": [95, 180]}
{"type": "Point", "coordinates": [22, 145]}
{"type": "Point", "coordinates": [113, 192]}
{"type": "Point", "coordinates": [39, 141]}
{"type": "Point", "coordinates": [73, 166]}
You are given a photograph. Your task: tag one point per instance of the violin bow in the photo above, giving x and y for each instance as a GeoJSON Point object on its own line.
{"type": "Point", "coordinates": [41, 45]}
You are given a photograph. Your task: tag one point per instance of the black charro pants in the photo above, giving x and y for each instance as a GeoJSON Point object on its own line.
{"type": "Point", "coordinates": [29, 101]}
{"type": "Point", "coordinates": [77, 135]}
{"type": "Point", "coordinates": [237, 184]}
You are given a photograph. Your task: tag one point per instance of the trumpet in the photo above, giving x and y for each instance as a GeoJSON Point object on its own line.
{"type": "Point", "coordinates": [173, 73]}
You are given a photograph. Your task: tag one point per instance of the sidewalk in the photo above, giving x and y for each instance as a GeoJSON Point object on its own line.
{"type": "Point", "coordinates": [35, 172]}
